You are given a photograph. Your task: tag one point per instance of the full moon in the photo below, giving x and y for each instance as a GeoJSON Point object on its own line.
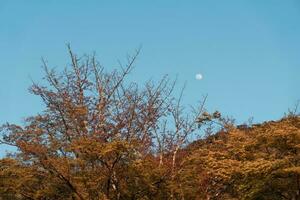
{"type": "Point", "coordinates": [199, 76]}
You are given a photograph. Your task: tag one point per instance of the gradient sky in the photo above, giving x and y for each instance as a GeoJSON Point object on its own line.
{"type": "Point", "coordinates": [247, 51]}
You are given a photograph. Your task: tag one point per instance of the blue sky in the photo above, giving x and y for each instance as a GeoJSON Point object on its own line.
{"type": "Point", "coordinates": [247, 51]}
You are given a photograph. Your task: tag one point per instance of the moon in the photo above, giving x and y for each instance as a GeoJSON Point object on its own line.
{"type": "Point", "coordinates": [199, 76]}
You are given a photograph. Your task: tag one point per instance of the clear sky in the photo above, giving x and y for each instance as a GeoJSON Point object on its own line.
{"type": "Point", "coordinates": [247, 51]}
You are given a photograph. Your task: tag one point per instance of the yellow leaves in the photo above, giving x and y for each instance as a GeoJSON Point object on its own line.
{"type": "Point", "coordinates": [80, 110]}
{"type": "Point", "coordinates": [113, 147]}
{"type": "Point", "coordinates": [293, 170]}
{"type": "Point", "coordinates": [32, 148]}
{"type": "Point", "coordinates": [260, 167]}
{"type": "Point", "coordinates": [16, 178]}
{"type": "Point", "coordinates": [90, 145]}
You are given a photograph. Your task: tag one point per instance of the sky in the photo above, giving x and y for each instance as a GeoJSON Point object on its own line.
{"type": "Point", "coordinates": [248, 52]}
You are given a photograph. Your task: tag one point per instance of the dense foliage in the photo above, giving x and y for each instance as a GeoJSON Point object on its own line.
{"type": "Point", "coordinates": [101, 138]}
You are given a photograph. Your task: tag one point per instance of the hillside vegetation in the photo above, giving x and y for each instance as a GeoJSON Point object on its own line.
{"type": "Point", "coordinates": [256, 162]}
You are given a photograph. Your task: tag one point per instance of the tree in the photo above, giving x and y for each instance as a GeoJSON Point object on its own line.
{"type": "Point", "coordinates": [98, 134]}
